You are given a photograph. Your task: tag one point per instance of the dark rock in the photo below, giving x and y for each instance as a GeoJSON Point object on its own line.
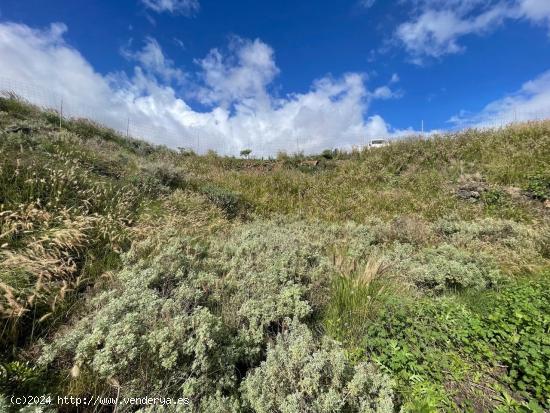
{"type": "Point", "coordinates": [468, 194]}
{"type": "Point", "coordinates": [470, 188]}
{"type": "Point", "coordinates": [14, 129]}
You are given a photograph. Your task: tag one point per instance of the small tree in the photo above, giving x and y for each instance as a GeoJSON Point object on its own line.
{"type": "Point", "coordinates": [327, 154]}
{"type": "Point", "coordinates": [246, 152]}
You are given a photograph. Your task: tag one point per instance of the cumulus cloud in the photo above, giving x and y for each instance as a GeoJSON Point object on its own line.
{"type": "Point", "coordinates": [436, 32]}
{"type": "Point", "coordinates": [41, 57]}
{"type": "Point", "coordinates": [535, 10]}
{"type": "Point", "coordinates": [437, 25]}
{"type": "Point", "coordinates": [234, 85]}
{"type": "Point", "coordinates": [152, 59]}
{"type": "Point", "coordinates": [531, 101]}
{"type": "Point", "coordinates": [242, 76]}
{"type": "Point", "coordinates": [183, 7]}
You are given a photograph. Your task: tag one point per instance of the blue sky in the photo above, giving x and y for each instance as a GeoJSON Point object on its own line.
{"type": "Point", "coordinates": [294, 75]}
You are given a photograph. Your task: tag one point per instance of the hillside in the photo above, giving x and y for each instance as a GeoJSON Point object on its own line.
{"type": "Point", "coordinates": [414, 277]}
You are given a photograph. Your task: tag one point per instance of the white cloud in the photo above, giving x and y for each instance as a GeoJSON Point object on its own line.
{"type": "Point", "coordinates": [438, 25]}
{"type": "Point", "coordinates": [183, 7]}
{"type": "Point", "coordinates": [243, 112]}
{"type": "Point", "coordinates": [242, 76]}
{"type": "Point", "coordinates": [532, 101]}
{"type": "Point", "coordinates": [367, 4]}
{"type": "Point", "coordinates": [436, 32]}
{"type": "Point", "coordinates": [152, 59]}
{"type": "Point", "coordinates": [536, 10]}
{"type": "Point", "coordinates": [384, 92]}
{"type": "Point", "coordinates": [41, 57]}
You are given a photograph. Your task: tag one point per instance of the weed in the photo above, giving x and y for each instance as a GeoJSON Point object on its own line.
{"type": "Point", "coordinates": [538, 186]}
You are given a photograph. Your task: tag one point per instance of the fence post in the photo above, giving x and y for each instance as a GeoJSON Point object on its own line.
{"type": "Point", "coordinates": [60, 113]}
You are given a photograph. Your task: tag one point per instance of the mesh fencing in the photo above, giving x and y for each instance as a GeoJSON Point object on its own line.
{"type": "Point", "coordinates": [122, 121]}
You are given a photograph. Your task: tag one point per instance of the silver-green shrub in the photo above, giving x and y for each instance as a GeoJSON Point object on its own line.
{"type": "Point", "coordinates": [270, 270]}
{"type": "Point", "coordinates": [153, 333]}
{"type": "Point", "coordinates": [517, 247]}
{"type": "Point", "coordinates": [190, 318]}
{"type": "Point", "coordinates": [195, 318]}
{"type": "Point", "coordinates": [301, 375]}
{"type": "Point", "coordinates": [447, 268]}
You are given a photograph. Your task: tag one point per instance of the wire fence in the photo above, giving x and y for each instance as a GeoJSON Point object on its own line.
{"type": "Point", "coordinates": [120, 118]}
{"type": "Point", "coordinates": [116, 116]}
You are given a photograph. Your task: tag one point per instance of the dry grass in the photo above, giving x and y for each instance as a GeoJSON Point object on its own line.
{"type": "Point", "coordinates": [39, 259]}
{"type": "Point", "coordinates": [60, 222]}
{"type": "Point", "coordinates": [411, 177]}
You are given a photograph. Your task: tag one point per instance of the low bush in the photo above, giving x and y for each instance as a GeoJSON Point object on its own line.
{"type": "Point", "coordinates": [274, 271]}
{"type": "Point", "coordinates": [184, 309]}
{"type": "Point", "coordinates": [152, 333]}
{"type": "Point", "coordinates": [301, 376]}
{"type": "Point", "coordinates": [517, 248]}
{"type": "Point", "coordinates": [231, 202]}
{"type": "Point", "coordinates": [406, 229]}
{"type": "Point", "coordinates": [166, 174]}
{"type": "Point", "coordinates": [446, 268]}
{"type": "Point", "coordinates": [538, 186]}
{"type": "Point", "coordinates": [515, 323]}
{"type": "Point", "coordinates": [21, 379]}
{"type": "Point", "coordinates": [485, 345]}
{"type": "Point", "coordinates": [328, 154]}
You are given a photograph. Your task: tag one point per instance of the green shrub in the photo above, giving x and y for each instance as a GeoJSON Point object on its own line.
{"type": "Point", "coordinates": [21, 379]}
{"type": "Point", "coordinates": [516, 247]}
{"type": "Point", "coordinates": [185, 152]}
{"type": "Point", "coordinates": [463, 339]}
{"type": "Point", "coordinates": [275, 270]}
{"type": "Point", "coordinates": [516, 323]}
{"type": "Point", "coordinates": [446, 268]}
{"type": "Point", "coordinates": [166, 174]}
{"type": "Point", "coordinates": [16, 106]}
{"type": "Point", "coordinates": [411, 341]}
{"type": "Point", "coordinates": [494, 197]}
{"type": "Point", "coordinates": [231, 202]}
{"type": "Point", "coordinates": [175, 315]}
{"type": "Point", "coordinates": [405, 229]}
{"type": "Point", "coordinates": [153, 332]}
{"type": "Point", "coordinates": [51, 117]}
{"type": "Point", "coordinates": [300, 375]}
{"type": "Point", "coordinates": [87, 129]}
{"type": "Point", "coordinates": [538, 186]}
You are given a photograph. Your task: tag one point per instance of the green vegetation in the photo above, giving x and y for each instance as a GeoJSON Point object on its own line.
{"type": "Point", "coordinates": [412, 278]}
{"type": "Point", "coordinates": [465, 352]}
{"type": "Point", "coordinates": [246, 153]}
